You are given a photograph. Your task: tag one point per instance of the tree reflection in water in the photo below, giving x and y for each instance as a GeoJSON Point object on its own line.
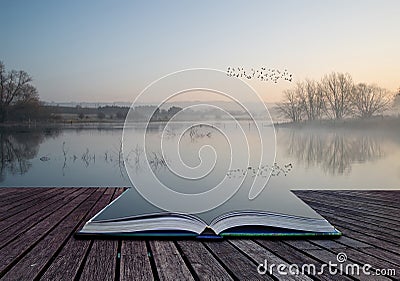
{"type": "Point", "coordinates": [334, 151]}
{"type": "Point", "coordinates": [17, 148]}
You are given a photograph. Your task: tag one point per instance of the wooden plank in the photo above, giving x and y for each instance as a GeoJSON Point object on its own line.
{"type": "Point", "coordinates": [135, 263]}
{"type": "Point", "coordinates": [62, 257]}
{"type": "Point", "coordinates": [354, 256]}
{"type": "Point", "coordinates": [363, 252]}
{"type": "Point", "coordinates": [355, 201]}
{"type": "Point", "coordinates": [299, 257]}
{"type": "Point", "coordinates": [258, 254]}
{"type": "Point", "coordinates": [327, 257]}
{"type": "Point", "coordinates": [361, 221]}
{"type": "Point", "coordinates": [30, 220]}
{"type": "Point", "coordinates": [101, 252]}
{"type": "Point", "coordinates": [353, 243]}
{"type": "Point", "coordinates": [10, 203]}
{"type": "Point", "coordinates": [13, 251]}
{"type": "Point", "coordinates": [382, 254]}
{"type": "Point", "coordinates": [391, 212]}
{"type": "Point", "coordinates": [328, 244]}
{"type": "Point", "coordinates": [365, 195]}
{"type": "Point", "coordinates": [340, 210]}
{"type": "Point", "coordinates": [19, 206]}
{"type": "Point", "coordinates": [363, 228]}
{"type": "Point", "coordinates": [371, 240]}
{"type": "Point", "coordinates": [298, 244]}
{"type": "Point", "coordinates": [10, 221]}
{"type": "Point", "coordinates": [9, 198]}
{"type": "Point", "coordinates": [39, 256]}
{"type": "Point", "coordinates": [101, 262]}
{"type": "Point", "coordinates": [67, 262]}
{"type": "Point", "coordinates": [169, 263]}
{"type": "Point", "coordinates": [360, 216]}
{"type": "Point", "coordinates": [202, 261]}
{"type": "Point", "coordinates": [4, 191]}
{"type": "Point", "coordinates": [375, 262]}
{"type": "Point", "coordinates": [235, 262]}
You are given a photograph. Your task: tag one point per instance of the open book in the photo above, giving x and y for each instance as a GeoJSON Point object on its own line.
{"type": "Point", "coordinates": [280, 213]}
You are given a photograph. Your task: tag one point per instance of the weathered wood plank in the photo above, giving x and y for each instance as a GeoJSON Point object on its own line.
{"type": "Point", "coordinates": [367, 229]}
{"type": "Point", "coordinates": [17, 229]}
{"type": "Point", "coordinates": [67, 263]}
{"type": "Point", "coordinates": [4, 191]}
{"type": "Point", "coordinates": [16, 205]}
{"type": "Point", "coordinates": [380, 197]}
{"type": "Point", "coordinates": [202, 261]}
{"type": "Point", "coordinates": [101, 252]}
{"type": "Point", "coordinates": [38, 257]}
{"type": "Point", "coordinates": [330, 255]}
{"type": "Point", "coordinates": [363, 258]}
{"type": "Point", "coordinates": [367, 222]}
{"type": "Point", "coordinates": [169, 263]}
{"type": "Point", "coordinates": [391, 212]}
{"type": "Point", "coordinates": [13, 251]}
{"type": "Point", "coordinates": [28, 212]}
{"type": "Point", "coordinates": [235, 262]}
{"type": "Point", "coordinates": [299, 257]}
{"type": "Point", "coordinates": [39, 239]}
{"type": "Point", "coordinates": [353, 243]}
{"type": "Point", "coordinates": [371, 240]}
{"type": "Point", "coordinates": [363, 216]}
{"type": "Point", "coordinates": [258, 254]}
{"type": "Point", "coordinates": [101, 261]}
{"type": "Point", "coordinates": [135, 263]}
{"type": "Point", "coordinates": [347, 211]}
{"type": "Point", "coordinates": [19, 193]}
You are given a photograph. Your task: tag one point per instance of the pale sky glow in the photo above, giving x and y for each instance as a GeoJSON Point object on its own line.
{"type": "Point", "coordinates": [109, 51]}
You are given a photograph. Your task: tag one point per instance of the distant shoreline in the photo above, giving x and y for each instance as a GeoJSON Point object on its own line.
{"type": "Point", "coordinates": [370, 123]}
{"type": "Point", "coordinates": [379, 122]}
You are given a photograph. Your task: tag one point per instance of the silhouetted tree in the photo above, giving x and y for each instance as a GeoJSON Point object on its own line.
{"type": "Point", "coordinates": [16, 91]}
{"type": "Point", "coordinates": [396, 100]}
{"type": "Point", "coordinates": [337, 89]}
{"type": "Point", "coordinates": [368, 100]}
{"type": "Point", "coordinates": [173, 110]}
{"type": "Point", "coordinates": [311, 98]}
{"type": "Point", "coordinates": [291, 106]}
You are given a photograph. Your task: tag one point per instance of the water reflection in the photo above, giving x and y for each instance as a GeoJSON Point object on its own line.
{"type": "Point", "coordinates": [311, 158]}
{"type": "Point", "coordinates": [334, 151]}
{"type": "Point", "coordinates": [17, 148]}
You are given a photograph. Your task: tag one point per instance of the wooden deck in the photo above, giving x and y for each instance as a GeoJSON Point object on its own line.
{"type": "Point", "coordinates": [37, 242]}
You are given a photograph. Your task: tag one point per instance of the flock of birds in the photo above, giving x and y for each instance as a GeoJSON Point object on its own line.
{"type": "Point", "coordinates": [262, 171]}
{"type": "Point", "coordinates": [262, 74]}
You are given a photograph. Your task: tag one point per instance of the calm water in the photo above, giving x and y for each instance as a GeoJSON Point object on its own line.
{"type": "Point", "coordinates": [320, 159]}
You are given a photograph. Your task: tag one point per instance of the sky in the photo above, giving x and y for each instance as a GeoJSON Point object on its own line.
{"type": "Point", "coordinates": [108, 51]}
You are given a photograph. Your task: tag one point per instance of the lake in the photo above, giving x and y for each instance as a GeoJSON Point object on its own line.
{"type": "Point", "coordinates": [306, 158]}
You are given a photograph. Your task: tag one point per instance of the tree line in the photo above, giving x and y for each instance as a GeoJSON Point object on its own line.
{"type": "Point", "coordinates": [19, 99]}
{"type": "Point", "coordinates": [335, 96]}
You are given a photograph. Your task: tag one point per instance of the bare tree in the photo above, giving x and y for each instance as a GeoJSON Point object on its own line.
{"type": "Point", "coordinates": [311, 98]}
{"type": "Point", "coordinates": [368, 100]}
{"type": "Point", "coordinates": [291, 106]}
{"type": "Point", "coordinates": [15, 89]}
{"type": "Point", "coordinates": [337, 89]}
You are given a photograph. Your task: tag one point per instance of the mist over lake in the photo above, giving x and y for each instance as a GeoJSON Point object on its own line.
{"type": "Point", "coordinates": [320, 158]}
